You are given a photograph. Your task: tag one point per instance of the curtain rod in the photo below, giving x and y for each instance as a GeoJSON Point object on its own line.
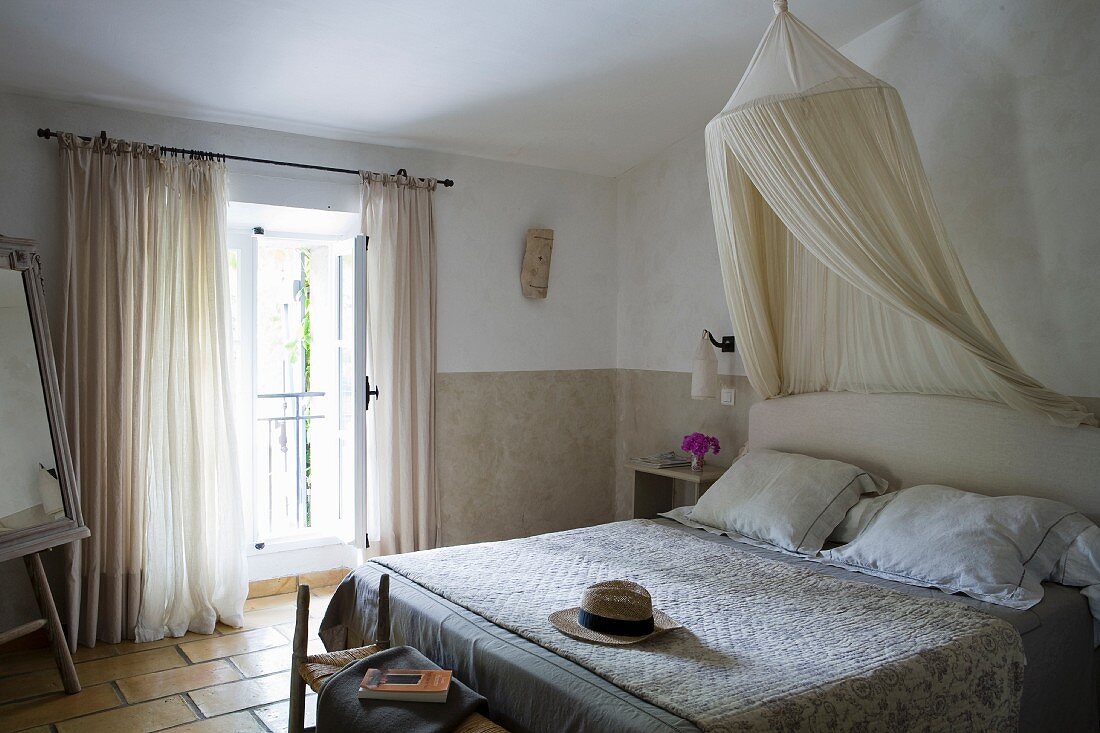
{"type": "Point", "coordinates": [47, 133]}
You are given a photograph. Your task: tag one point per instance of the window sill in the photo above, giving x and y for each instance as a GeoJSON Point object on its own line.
{"type": "Point", "coordinates": [294, 542]}
{"type": "Point", "coordinates": [296, 555]}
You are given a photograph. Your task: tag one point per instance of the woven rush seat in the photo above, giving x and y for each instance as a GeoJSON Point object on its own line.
{"type": "Point", "coordinates": [315, 670]}
{"type": "Point", "coordinates": [478, 723]}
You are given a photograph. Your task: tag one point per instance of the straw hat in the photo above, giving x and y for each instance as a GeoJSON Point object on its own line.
{"type": "Point", "coordinates": [613, 612]}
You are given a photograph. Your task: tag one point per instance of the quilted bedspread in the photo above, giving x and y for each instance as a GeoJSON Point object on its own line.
{"type": "Point", "coordinates": [765, 646]}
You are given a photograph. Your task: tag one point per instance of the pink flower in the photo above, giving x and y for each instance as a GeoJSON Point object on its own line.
{"type": "Point", "coordinates": [699, 445]}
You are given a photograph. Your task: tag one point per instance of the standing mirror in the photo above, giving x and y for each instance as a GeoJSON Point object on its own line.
{"type": "Point", "coordinates": [38, 494]}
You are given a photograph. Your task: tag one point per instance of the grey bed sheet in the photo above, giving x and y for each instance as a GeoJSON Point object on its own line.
{"type": "Point", "coordinates": [531, 689]}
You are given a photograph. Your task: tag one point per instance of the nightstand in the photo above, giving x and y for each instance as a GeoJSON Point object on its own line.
{"type": "Point", "coordinates": [655, 488]}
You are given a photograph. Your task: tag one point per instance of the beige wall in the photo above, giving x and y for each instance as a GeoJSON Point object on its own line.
{"type": "Point", "coordinates": [654, 411]}
{"type": "Point", "coordinates": [521, 453]}
{"type": "Point", "coordinates": [484, 322]}
{"type": "Point", "coordinates": [1004, 100]}
{"type": "Point", "coordinates": [669, 282]}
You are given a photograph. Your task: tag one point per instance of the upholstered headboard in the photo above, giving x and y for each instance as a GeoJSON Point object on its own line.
{"type": "Point", "coordinates": [918, 439]}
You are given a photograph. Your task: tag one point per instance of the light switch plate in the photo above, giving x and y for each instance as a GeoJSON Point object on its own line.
{"type": "Point", "coordinates": [727, 396]}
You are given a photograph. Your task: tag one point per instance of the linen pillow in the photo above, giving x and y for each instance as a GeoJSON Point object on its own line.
{"type": "Point", "coordinates": [858, 517]}
{"type": "Point", "coordinates": [786, 500]}
{"type": "Point", "coordinates": [994, 548]}
{"type": "Point", "coordinates": [1079, 566]}
{"type": "Point", "coordinates": [1080, 563]}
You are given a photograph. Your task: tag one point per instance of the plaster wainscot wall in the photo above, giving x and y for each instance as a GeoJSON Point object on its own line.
{"type": "Point", "coordinates": [522, 453]}
{"type": "Point", "coordinates": [654, 411]}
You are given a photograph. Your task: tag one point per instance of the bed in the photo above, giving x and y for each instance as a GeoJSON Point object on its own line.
{"type": "Point", "coordinates": [535, 683]}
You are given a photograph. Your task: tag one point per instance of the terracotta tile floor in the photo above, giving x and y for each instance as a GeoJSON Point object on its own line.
{"type": "Point", "coordinates": [233, 681]}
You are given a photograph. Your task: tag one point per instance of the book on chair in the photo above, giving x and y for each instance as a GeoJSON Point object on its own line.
{"type": "Point", "coordinates": [406, 685]}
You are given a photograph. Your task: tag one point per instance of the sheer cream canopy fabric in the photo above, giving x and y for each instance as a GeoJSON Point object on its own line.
{"type": "Point", "coordinates": [838, 272]}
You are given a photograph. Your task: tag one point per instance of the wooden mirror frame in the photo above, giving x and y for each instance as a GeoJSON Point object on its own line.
{"type": "Point", "coordinates": [21, 255]}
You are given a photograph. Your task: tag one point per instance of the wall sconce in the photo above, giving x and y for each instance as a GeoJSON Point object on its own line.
{"type": "Point", "coordinates": [727, 345]}
{"type": "Point", "coordinates": [704, 370]}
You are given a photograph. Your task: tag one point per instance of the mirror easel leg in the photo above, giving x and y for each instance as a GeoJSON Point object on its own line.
{"type": "Point", "coordinates": [58, 644]}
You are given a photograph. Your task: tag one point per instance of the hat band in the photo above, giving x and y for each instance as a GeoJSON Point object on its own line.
{"type": "Point", "coordinates": [614, 626]}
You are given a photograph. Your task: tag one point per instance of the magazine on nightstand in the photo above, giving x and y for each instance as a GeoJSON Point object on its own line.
{"type": "Point", "coordinates": [669, 459]}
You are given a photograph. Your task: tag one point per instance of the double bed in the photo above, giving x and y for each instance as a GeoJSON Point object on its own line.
{"type": "Point", "coordinates": [772, 641]}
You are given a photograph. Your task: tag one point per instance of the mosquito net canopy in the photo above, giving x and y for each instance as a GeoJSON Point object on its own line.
{"type": "Point", "coordinates": [838, 272]}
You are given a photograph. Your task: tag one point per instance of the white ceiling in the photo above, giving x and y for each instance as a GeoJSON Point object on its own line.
{"type": "Point", "coordinates": [588, 85]}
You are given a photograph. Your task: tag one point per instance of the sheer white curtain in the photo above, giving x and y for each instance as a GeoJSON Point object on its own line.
{"type": "Point", "coordinates": [145, 367]}
{"type": "Point", "coordinates": [839, 274]}
{"type": "Point", "coordinates": [398, 219]}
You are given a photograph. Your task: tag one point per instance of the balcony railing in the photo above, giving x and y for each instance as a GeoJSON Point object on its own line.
{"type": "Point", "coordinates": [287, 470]}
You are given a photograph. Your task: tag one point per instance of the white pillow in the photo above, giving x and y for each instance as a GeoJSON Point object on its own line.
{"type": "Point", "coordinates": [786, 500]}
{"type": "Point", "coordinates": [858, 517]}
{"type": "Point", "coordinates": [1079, 565]}
{"type": "Point", "coordinates": [996, 549]}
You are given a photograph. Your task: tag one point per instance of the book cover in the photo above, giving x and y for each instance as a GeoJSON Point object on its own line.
{"type": "Point", "coordinates": [410, 685]}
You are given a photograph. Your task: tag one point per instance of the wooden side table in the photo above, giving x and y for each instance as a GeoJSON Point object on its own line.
{"type": "Point", "coordinates": [655, 488]}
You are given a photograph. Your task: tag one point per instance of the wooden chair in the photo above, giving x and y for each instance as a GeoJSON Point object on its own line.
{"type": "Point", "coordinates": [314, 670]}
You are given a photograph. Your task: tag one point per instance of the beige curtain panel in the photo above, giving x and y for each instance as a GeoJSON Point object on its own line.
{"type": "Point", "coordinates": [145, 364]}
{"type": "Point", "coordinates": [398, 219]}
{"type": "Point", "coordinates": [838, 272]}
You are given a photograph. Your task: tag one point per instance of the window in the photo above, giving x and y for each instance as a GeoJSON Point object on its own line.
{"type": "Point", "coordinates": [295, 312]}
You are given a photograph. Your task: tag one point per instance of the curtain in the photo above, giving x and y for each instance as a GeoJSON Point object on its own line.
{"type": "Point", "coordinates": [398, 219]}
{"type": "Point", "coordinates": [144, 372]}
{"type": "Point", "coordinates": [838, 272]}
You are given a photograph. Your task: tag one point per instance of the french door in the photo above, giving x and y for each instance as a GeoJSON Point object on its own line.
{"type": "Point", "coordinates": [299, 327]}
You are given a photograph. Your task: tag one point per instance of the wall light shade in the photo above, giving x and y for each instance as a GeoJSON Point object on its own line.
{"type": "Point", "coordinates": [704, 371]}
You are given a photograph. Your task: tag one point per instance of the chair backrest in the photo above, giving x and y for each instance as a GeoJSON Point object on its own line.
{"type": "Point", "coordinates": [382, 632]}
{"type": "Point", "coordinates": [301, 617]}
{"type": "Point", "coordinates": [301, 625]}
